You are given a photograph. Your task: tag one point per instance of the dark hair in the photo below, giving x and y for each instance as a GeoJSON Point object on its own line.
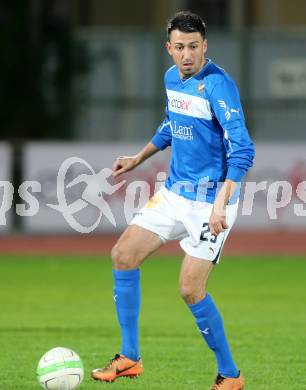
{"type": "Point", "coordinates": [187, 22]}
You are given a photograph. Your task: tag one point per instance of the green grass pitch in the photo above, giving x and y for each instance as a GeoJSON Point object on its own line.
{"type": "Point", "coordinates": [67, 301]}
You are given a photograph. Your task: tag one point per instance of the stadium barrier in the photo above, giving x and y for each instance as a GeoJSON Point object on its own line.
{"type": "Point", "coordinates": [68, 188]}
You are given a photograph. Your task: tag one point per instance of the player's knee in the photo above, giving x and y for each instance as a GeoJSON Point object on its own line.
{"type": "Point", "coordinates": [121, 259]}
{"type": "Point", "coordinates": [190, 294]}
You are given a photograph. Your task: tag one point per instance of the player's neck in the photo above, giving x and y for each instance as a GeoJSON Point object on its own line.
{"type": "Point", "coordinates": [186, 77]}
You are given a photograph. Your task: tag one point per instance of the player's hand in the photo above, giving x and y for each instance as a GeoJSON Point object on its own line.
{"type": "Point", "coordinates": [217, 222]}
{"type": "Point", "coordinates": [124, 164]}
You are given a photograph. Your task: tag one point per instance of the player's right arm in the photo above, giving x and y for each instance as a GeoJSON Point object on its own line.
{"type": "Point", "coordinates": [161, 140]}
{"type": "Point", "coordinates": [127, 163]}
{"type": "Point", "coordinates": [163, 136]}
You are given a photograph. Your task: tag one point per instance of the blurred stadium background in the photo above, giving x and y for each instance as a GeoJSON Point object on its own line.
{"type": "Point", "coordinates": [85, 78]}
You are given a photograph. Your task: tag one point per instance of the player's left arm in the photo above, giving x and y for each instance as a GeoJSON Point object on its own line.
{"type": "Point", "coordinates": [217, 221]}
{"type": "Point", "coordinates": [226, 107]}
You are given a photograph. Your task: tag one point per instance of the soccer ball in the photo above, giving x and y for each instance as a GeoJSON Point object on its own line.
{"type": "Point", "coordinates": [60, 369]}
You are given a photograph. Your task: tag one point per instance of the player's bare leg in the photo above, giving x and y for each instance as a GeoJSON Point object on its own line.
{"type": "Point", "coordinates": [132, 248]}
{"type": "Point", "coordinates": [193, 280]}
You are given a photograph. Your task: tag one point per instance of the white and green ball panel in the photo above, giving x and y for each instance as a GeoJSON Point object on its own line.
{"type": "Point", "coordinates": [60, 369]}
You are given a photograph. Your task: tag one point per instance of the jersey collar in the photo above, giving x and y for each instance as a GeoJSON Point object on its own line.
{"type": "Point", "coordinates": [198, 75]}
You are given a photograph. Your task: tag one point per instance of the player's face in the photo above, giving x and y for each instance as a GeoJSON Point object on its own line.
{"type": "Point", "coordinates": [188, 52]}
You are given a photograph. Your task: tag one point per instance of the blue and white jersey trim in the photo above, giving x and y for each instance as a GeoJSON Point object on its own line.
{"type": "Point", "coordinates": [205, 127]}
{"type": "Point", "coordinates": [185, 104]}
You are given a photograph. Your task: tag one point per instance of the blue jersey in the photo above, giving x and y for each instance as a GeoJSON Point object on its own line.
{"type": "Point", "coordinates": [205, 127]}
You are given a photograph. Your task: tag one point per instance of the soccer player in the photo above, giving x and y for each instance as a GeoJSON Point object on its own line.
{"type": "Point", "coordinates": [211, 151]}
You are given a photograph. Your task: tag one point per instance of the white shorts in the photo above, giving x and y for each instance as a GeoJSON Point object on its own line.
{"type": "Point", "coordinates": [173, 217]}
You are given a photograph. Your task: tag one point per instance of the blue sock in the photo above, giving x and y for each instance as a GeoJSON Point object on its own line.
{"type": "Point", "coordinates": [127, 300]}
{"type": "Point", "coordinates": [210, 324]}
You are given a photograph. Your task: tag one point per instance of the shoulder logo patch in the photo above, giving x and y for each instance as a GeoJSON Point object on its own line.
{"type": "Point", "coordinates": [201, 87]}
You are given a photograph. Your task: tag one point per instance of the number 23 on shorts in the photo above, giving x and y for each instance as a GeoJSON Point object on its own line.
{"type": "Point", "coordinates": [206, 235]}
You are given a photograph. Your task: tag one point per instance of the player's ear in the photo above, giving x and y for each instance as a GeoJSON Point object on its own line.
{"type": "Point", "coordinates": [168, 47]}
{"type": "Point", "coordinates": [205, 45]}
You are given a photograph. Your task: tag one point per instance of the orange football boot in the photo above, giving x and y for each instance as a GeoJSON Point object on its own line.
{"type": "Point", "coordinates": [119, 366]}
{"type": "Point", "coordinates": [228, 383]}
